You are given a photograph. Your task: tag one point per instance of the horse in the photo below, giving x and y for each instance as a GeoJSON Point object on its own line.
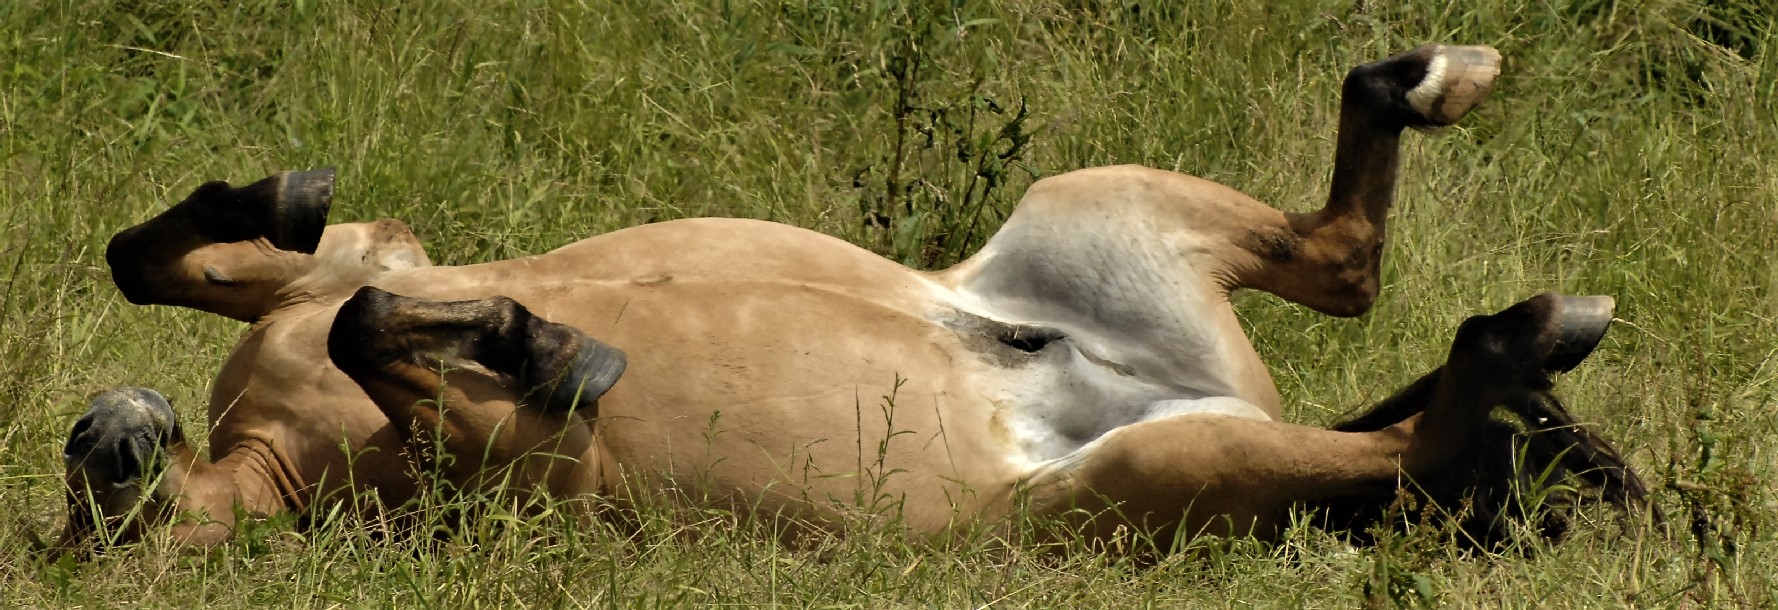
{"type": "Point", "coordinates": [1086, 366]}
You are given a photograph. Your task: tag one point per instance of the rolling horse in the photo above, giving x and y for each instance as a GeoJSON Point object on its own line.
{"type": "Point", "coordinates": [1084, 366]}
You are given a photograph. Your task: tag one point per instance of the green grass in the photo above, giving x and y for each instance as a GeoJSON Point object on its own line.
{"type": "Point", "coordinates": [1629, 150]}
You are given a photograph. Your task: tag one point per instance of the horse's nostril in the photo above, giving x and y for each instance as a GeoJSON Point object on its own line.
{"type": "Point", "coordinates": [77, 450]}
{"type": "Point", "coordinates": [129, 464]}
{"type": "Point", "coordinates": [80, 427]}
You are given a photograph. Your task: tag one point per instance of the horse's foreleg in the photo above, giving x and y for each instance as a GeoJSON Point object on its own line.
{"type": "Point", "coordinates": [129, 469]}
{"type": "Point", "coordinates": [226, 250]}
{"type": "Point", "coordinates": [1220, 474]}
{"type": "Point", "coordinates": [508, 396]}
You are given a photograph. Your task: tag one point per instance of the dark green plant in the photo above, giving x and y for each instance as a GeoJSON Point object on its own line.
{"type": "Point", "coordinates": [936, 196]}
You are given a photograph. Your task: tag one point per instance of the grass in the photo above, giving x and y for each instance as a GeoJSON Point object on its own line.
{"type": "Point", "coordinates": [1629, 150]}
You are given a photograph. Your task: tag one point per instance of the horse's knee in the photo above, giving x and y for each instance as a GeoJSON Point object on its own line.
{"type": "Point", "coordinates": [1329, 263]}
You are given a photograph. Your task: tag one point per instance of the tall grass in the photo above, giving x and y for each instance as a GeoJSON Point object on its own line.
{"type": "Point", "coordinates": [1629, 150]}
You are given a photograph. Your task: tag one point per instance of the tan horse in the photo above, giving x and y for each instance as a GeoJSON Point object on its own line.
{"type": "Point", "coordinates": [1085, 364]}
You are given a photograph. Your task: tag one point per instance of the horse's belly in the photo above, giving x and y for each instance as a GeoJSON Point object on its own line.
{"type": "Point", "coordinates": [788, 396]}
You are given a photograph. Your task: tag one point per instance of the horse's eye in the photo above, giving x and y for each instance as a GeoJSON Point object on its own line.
{"type": "Point", "coordinates": [217, 277]}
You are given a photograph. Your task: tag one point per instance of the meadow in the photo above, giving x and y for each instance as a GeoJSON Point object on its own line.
{"type": "Point", "coordinates": [1630, 149]}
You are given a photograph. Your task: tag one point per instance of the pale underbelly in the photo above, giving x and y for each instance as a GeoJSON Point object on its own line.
{"type": "Point", "coordinates": [1062, 397]}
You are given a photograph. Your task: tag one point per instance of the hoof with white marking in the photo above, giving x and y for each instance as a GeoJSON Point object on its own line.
{"type": "Point", "coordinates": [1457, 78]}
{"type": "Point", "coordinates": [1430, 86]}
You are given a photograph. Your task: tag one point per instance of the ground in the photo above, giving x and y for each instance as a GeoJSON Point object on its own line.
{"type": "Point", "coordinates": [1627, 151]}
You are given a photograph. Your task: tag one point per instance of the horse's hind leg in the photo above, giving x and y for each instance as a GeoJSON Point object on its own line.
{"type": "Point", "coordinates": [458, 373]}
{"type": "Point", "coordinates": [1223, 474]}
{"type": "Point", "coordinates": [1330, 259]}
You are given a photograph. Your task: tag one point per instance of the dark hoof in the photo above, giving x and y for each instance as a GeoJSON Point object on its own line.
{"type": "Point", "coordinates": [594, 369]}
{"type": "Point", "coordinates": [300, 214]}
{"type": "Point", "coordinates": [288, 209]}
{"type": "Point", "coordinates": [1543, 334]}
{"type": "Point", "coordinates": [121, 437]}
{"type": "Point", "coordinates": [1580, 323]}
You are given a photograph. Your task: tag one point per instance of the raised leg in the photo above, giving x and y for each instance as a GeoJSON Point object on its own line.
{"type": "Point", "coordinates": [1146, 259]}
{"type": "Point", "coordinates": [129, 468]}
{"type": "Point", "coordinates": [1538, 445]}
{"type": "Point", "coordinates": [225, 250]}
{"type": "Point", "coordinates": [1229, 475]}
{"type": "Point", "coordinates": [508, 396]}
{"type": "Point", "coordinates": [1329, 260]}
{"type": "Point", "coordinates": [234, 251]}
{"type": "Point", "coordinates": [244, 251]}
